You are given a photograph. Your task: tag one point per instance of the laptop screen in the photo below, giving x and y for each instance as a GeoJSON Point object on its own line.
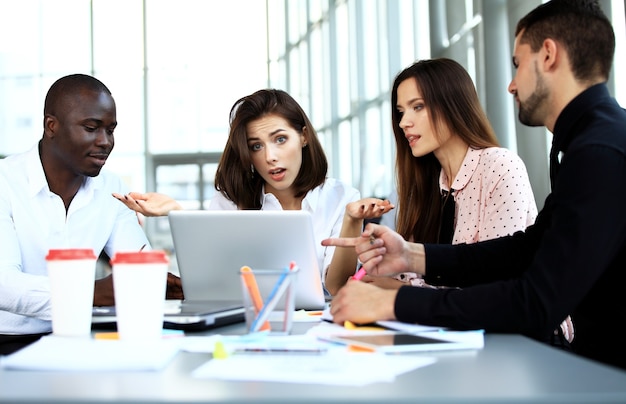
{"type": "Point", "coordinates": [212, 246]}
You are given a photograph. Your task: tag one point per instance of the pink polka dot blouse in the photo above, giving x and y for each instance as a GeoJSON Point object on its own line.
{"type": "Point", "coordinates": [493, 195]}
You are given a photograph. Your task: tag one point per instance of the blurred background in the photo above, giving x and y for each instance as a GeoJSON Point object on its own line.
{"type": "Point", "coordinates": [175, 67]}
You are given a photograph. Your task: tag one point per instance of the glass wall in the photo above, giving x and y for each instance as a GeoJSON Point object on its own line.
{"type": "Point", "coordinates": [339, 58]}
{"type": "Point", "coordinates": [175, 68]}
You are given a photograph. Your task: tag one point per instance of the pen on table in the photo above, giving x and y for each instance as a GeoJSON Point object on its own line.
{"type": "Point", "coordinates": [301, 351]}
{"type": "Point", "coordinates": [142, 247]}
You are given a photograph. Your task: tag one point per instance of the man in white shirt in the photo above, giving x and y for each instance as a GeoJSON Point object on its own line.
{"type": "Point", "coordinates": [55, 196]}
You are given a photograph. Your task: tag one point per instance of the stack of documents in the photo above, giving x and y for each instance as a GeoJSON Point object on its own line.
{"type": "Point", "coordinates": [397, 337]}
{"type": "Point", "coordinates": [321, 357]}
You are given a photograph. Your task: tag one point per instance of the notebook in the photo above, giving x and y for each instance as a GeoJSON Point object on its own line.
{"type": "Point", "coordinates": [211, 247]}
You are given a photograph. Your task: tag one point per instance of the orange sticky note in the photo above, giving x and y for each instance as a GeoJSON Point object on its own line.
{"type": "Point", "coordinates": [106, 335]}
{"type": "Point", "coordinates": [358, 348]}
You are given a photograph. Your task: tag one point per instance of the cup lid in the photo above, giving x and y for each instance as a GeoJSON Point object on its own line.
{"type": "Point", "coordinates": [70, 254]}
{"type": "Point", "coordinates": [140, 257]}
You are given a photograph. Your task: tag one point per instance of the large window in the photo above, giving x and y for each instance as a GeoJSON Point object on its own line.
{"type": "Point", "coordinates": [339, 58]}
{"type": "Point", "coordinates": [175, 67]}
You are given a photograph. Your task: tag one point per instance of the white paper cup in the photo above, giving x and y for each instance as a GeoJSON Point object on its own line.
{"type": "Point", "coordinates": [139, 284]}
{"type": "Point", "coordinates": [72, 273]}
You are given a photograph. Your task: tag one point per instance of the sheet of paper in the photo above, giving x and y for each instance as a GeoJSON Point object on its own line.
{"type": "Point", "coordinates": [200, 344]}
{"type": "Point", "coordinates": [332, 368]}
{"type": "Point", "coordinates": [72, 354]}
{"type": "Point", "coordinates": [264, 357]}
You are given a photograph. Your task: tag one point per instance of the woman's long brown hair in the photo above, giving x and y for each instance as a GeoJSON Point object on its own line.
{"type": "Point", "coordinates": [235, 178]}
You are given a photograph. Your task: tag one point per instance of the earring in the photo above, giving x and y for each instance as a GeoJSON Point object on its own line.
{"type": "Point", "coordinates": [304, 145]}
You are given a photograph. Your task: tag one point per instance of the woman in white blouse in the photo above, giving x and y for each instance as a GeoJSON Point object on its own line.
{"type": "Point", "coordinates": [273, 160]}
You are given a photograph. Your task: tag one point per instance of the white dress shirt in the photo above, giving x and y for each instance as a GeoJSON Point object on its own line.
{"type": "Point", "coordinates": [33, 220]}
{"type": "Point", "coordinates": [326, 203]}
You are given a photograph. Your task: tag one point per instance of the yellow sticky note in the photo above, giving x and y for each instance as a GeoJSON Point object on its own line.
{"type": "Point", "coordinates": [349, 325]}
{"type": "Point", "coordinates": [219, 352]}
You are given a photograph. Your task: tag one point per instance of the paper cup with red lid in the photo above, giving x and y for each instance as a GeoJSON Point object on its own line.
{"type": "Point", "coordinates": [72, 273]}
{"type": "Point", "coordinates": [139, 283]}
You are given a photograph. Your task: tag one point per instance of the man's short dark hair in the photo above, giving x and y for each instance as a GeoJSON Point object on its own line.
{"type": "Point", "coordinates": [70, 85]}
{"type": "Point", "coordinates": [581, 27]}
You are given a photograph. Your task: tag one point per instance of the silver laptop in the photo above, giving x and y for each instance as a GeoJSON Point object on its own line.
{"type": "Point", "coordinates": [212, 246]}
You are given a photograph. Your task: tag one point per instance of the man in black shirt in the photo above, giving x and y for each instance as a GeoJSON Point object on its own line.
{"type": "Point", "coordinates": [573, 259]}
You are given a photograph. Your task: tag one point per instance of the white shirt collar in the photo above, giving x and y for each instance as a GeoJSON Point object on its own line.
{"type": "Point", "coordinates": [309, 203]}
{"type": "Point", "coordinates": [37, 178]}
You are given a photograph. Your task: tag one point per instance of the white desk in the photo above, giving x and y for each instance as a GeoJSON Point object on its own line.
{"type": "Point", "coordinates": [509, 368]}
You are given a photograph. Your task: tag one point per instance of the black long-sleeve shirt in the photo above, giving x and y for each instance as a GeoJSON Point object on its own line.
{"type": "Point", "coordinates": [571, 261]}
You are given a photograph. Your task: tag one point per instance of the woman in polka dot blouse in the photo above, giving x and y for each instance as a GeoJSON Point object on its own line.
{"type": "Point", "coordinates": [448, 151]}
{"type": "Point", "coordinates": [446, 148]}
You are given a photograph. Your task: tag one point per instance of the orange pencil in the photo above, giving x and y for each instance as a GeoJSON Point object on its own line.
{"type": "Point", "coordinates": [255, 295]}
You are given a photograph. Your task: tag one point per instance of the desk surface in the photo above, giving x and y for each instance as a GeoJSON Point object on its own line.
{"type": "Point", "coordinates": [509, 368]}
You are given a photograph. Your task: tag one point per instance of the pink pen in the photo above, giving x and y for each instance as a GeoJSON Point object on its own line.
{"type": "Point", "coordinates": [359, 274]}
